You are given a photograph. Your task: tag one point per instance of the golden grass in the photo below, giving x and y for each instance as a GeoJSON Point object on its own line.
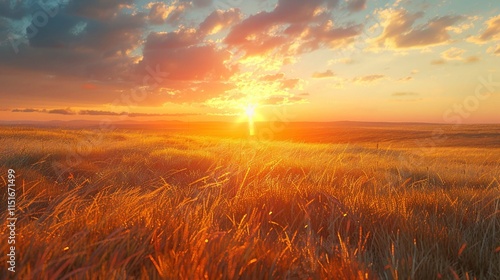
{"type": "Point", "coordinates": [151, 205]}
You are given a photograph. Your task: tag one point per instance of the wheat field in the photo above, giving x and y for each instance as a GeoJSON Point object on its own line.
{"type": "Point", "coordinates": [153, 204]}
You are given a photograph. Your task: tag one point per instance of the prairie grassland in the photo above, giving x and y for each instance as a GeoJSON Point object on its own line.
{"type": "Point", "coordinates": [155, 205]}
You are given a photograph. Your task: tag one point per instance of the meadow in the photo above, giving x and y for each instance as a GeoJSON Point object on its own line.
{"type": "Point", "coordinates": [349, 201]}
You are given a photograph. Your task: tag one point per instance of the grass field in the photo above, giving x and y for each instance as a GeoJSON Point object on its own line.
{"type": "Point", "coordinates": [337, 203]}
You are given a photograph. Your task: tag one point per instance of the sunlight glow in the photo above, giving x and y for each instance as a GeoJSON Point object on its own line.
{"type": "Point", "coordinates": [250, 111]}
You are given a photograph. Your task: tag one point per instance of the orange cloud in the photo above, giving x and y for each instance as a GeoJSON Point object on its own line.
{"type": "Point", "coordinates": [283, 100]}
{"type": "Point", "coordinates": [402, 94]}
{"type": "Point", "coordinates": [400, 31]}
{"type": "Point", "coordinates": [438, 62]}
{"type": "Point", "coordinates": [492, 32]}
{"type": "Point", "coordinates": [272, 78]}
{"type": "Point", "coordinates": [495, 50]}
{"type": "Point", "coordinates": [368, 78]}
{"type": "Point", "coordinates": [326, 74]}
{"type": "Point", "coordinates": [161, 13]}
{"type": "Point", "coordinates": [406, 79]}
{"type": "Point", "coordinates": [184, 56]}
{"type": "Point", "coordinates": [219, 20]}
{"type": "Point", "coordinates": [472, 59]}
{"type": "Point", "coordinates": [453, 54]}
{"type": "Point", "coordinates": [292, 28]}
{"type": "Point", "coordinates": [289, 83]}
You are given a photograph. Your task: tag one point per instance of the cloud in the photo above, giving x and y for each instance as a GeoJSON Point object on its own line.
{"type": "Point", "coordinates": [61, 111]}
{"type": "Point", "coordinates": [453, 54]}
{"type": "Point", "coordinates": [456, 55]}
{"type": "Point", "coordinates": [184, 56]}
{"type": "Point", "coordinates": [280, 80]}
{"type": "Point", "coordinates": [66, 111]}
{"type": "Point", "coordinates": [464, 26]}
{"type": "Point", "coordinates": [368, 78]}
{"type": "Point", "coordinates": [401, 32]}
{"type": "Point", "coordinates": [401, 94]}
{"type": "Point", "coordinates": [195, 91]}
{"type": "Point", "coordinates": [115, 36]}
{"type": "Point", "coordinates": [273, 77]}
{"type": "Point", "coordinates": [438, 62]}
{"type": "Point", "coordinates": [326, 74]}
{"type": "Point", "coordinates": [133, 115]}
{"type": "Point", "coordinates": [107, 46]}
{"type": "Point", "coordinates": [329, 36]}
{"type": "Point", "coordinates": [13, 9]}
{"type": "Point", "coordinates": [96, 52]}
{"type": "Point", "coordinates": [356, 5]}
{"type": "Point", "coordinates": [5, 31]}
{"type": "Point", "coordinates": [75, 46]}
{"type": "Point", "coordinates": [161, 13]}
{"type": "Point", "coordinates": [252, 88]}
{"type": "Point", "coordinates": [491, 33]}
{"type": "Point", "coordinates": [219, 20]}
{"type": "Point", "coordinates": [283, 100]}
{"type": "Point", "coordinates": [28, 110]}
{"type": "Point", "coordinates": [100, 113]}
{"type": "Point", "coordinates": [494, 50]}
{"type": "Point", "coordinates": [289, 83]}
{"type": "Point", "coordinates": [97, 9]}
{"type": "Point", "coordinates": [406, 79]}
{"type": "Point", "coordinates": [406, 96]}
{"type": "Point", "coordinates": [472, 59]}
{"type": "Point", "coordinates": [181, 38]}
{"type": "Point", "coordinates": [292, 28]}
{"type": "Point", "coordinates": [190, 62]}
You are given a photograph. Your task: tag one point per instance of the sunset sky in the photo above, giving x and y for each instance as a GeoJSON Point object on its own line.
{"type": "Point", "coordinates": [203, 60]}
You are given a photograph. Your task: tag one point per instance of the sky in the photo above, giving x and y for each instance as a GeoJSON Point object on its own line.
{"type": "Point", "coordinates": [211, 60]}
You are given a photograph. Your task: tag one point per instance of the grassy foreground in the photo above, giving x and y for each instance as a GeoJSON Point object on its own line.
{"type": "Point", "coordinates": [152, 205]}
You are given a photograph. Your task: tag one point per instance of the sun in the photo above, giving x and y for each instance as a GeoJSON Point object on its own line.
{"type": "Point", "coordinates": [250, 111]}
